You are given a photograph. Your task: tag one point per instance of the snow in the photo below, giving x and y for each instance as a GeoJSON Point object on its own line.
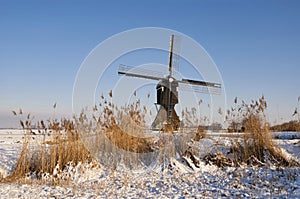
{"type": "Point", "coordinates": [180, 179]}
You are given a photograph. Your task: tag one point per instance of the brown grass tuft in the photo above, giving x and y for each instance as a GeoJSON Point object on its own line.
{"type": "Point", "coordinates": [257, 146]}
{"type": "Point", "coordinates": [200, 134]}
{"type": "Point", "coordinates": [40, 157]}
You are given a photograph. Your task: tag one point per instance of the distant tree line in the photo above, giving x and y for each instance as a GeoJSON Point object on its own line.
{"type": "Point", "coordinates": [287, 126]}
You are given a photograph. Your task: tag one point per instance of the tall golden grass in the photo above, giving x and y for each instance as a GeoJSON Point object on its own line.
{"type": "Point", "coordinates": [55, 149]}
{"type": "Point", "coordinates": [257, 146]}
{"type": "Point", "coordinates": [106, 133]}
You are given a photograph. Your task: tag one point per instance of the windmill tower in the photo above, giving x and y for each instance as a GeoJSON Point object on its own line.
{"type": "Point", "coordinates": [167, 91]}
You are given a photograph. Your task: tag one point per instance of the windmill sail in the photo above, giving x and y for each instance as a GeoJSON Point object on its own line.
{"type": "Point", "coordinates": [200, 83]}
{"type": "Point", "coordinates": [171, 55]}
{"type": "Point", "coordinates": [199, 89]}
{"type": "Point", "coordinates": [139, 72]}
{"type": "Point", "coordinates": [176, 53]}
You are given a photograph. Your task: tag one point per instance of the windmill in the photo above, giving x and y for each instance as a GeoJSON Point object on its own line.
{"type": "Point", "coordinates": [167, 90]}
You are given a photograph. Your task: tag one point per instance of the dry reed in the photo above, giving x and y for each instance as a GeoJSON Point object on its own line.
{"type": "Point", "coordinates": [257, 146]}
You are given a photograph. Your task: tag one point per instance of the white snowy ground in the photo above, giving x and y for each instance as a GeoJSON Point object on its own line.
{"type": "Point", "coordinates": [180, 181]}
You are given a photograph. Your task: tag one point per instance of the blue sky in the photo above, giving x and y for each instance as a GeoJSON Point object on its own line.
{"type": "Point", "coordinates": [255, 44]}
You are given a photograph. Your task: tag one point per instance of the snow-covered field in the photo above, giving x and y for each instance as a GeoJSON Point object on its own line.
{"type": "Point", "coordinates": [179, 180]}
